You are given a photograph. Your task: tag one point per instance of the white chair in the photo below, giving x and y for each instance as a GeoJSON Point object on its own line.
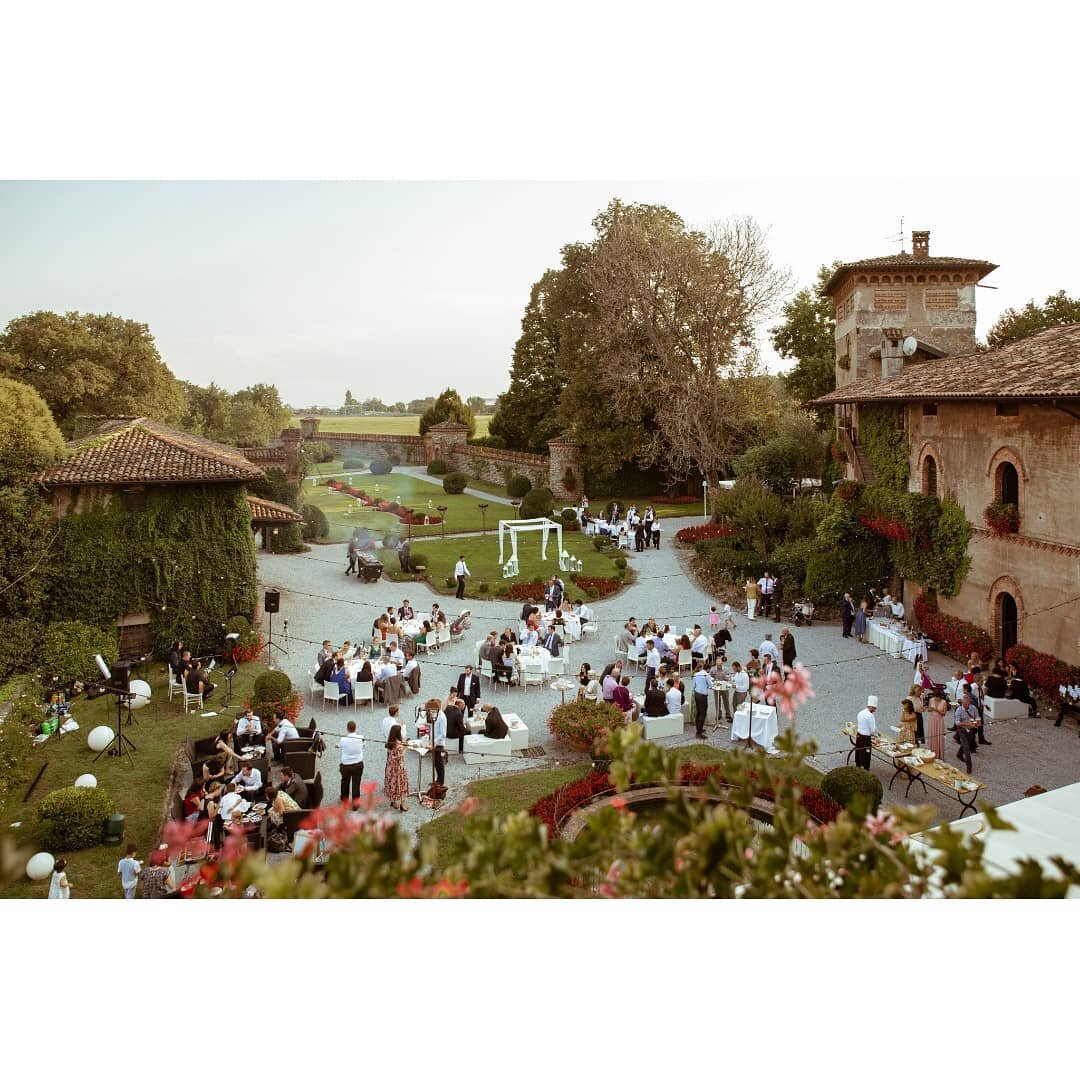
{"type": "Point", "coordinates": [638, 661]}
{"type": "Point", "coordinates": [425, 645]}
{"type": "Point", "coordinates": [313, 686]}
{"type": "Point", "coordinates": [532, 678]}
{"type": "Point", "coordinates": [486, 670]}
{"type": "Point", "coordinates": [331, 692]}
{"type": "Point", "coordinates": [175, 686]}
{"type": "Point", "coordinates": [443, 635]}
{"type": "Point", "coordinates": [557, 665]}
{"type": "Point", "coordinates": [364, 691]}
{"type": "Point", "coordinates": [588, 628]}
{"type": "Point", "coordinates": [686, 660]}
{"type": "Point", "coordinates": [191, 699]}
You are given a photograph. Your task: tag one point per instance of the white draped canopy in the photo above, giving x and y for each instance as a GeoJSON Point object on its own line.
{"type": "Point", "coordinates": [513, 527]}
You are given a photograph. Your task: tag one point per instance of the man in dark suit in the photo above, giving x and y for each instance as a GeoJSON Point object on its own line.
{"type": "Point", "coordinates": [787, 648]}
{"type": "Point", "coordinates": [655, 702]}
{"type": "Point", "coordinates": [468, 688]}
{"type": "Point", "coordinates": [494, 725]}
{"type": "Point", "coordinates": [847, 614]}
{"type": "Point", "coordinates": [456, 728]}
{"type": "Point", "coordinates": [553, 643]}
{"type": "Point", "coordinates": [326, 671]}
{"type": "Point", "coordinates": [292, 785]}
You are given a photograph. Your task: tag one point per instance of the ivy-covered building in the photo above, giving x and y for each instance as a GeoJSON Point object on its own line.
{"type": "Point", "coordinates": [153, 537]}
{"type": "Point", "coordinates": [996, 431]}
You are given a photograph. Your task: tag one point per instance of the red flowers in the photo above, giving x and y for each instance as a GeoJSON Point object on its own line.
{"type": "Point", "coordinates": [1042, 671]}
{"type": "Point", "coordinates": [1002, 519]}
{"type": "Point", "coordinates": [887, 527]}
{"type": "Point", "coordinates": [693, 533]}
{"type": "Point", "coordinates": [954, 636]}
{"type": "Point", "coordinates": [604, 586]}
{"type": "Point", "coordinates": [525, 590]}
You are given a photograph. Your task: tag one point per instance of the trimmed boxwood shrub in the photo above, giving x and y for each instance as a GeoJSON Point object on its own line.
{"type": "Point", "coordinates": [568, 514]}
{"type": "Point", "coordinates": [353, 463]}
{"type": "Point", "coordinates": [581, 724]}
{"type": "Point", "coordinates": [72, 818]}
{"type": "Point", "coordinates": [380, 467]}
{"type": "Point", "coordinates": [455, 483]}
{"type": "Point", "coordinates": [620, 563]}
{"type": "Point", "coordinates": [845, 784]}
{"type": "Point", "coordinates": [68, 648]}
{"type": "Point", "coordinates": [316, 527]}
{"type": "Point", "coordinates": [537, 503]}
{"type": "Point", "coordinates": [271, 686]}
{"type": "Point", "coordinates": [517, 487]}
{"type": "Point", "coordinates": [438, 468]}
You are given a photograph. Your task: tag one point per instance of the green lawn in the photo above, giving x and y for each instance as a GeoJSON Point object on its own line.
{"type": "Point", "coordinates": [482, 556]}
{"type": "Point", "coordinates": [345, 513]}
{"type": "Point", "coordinates": [384, 425]}
{"type": "Point", "coordinates": [139, 792]}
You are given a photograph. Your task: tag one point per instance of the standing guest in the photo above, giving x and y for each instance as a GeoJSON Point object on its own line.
{"type": "Point", "coordinates": [777, 598]}
{"type": "Point", "coordinates": [766, 583]}
{"type": "Point", "coordinates": [461, 572]}
{"type": "Point", "coordinates": [722, 637]}
{"type": "Point", "coordinates": [753, 592]}
{"type": "Point", "coordinates": [354, 559]}
{"type": "Point", "coordinates": [753, 665]}
{"type": "Point", "coordinates": [915, 697]}
{"type": "Point", "coordinates": [787, 648]}
{"type": "Point", "coordinates": [395, 779]}
{"type": "Point", "coordinates": [59, 886]}
{"type": "Point", "coordinates": [129, 869]}
{"type": "Point", "coordinates": [403, 555]}
{"type": "Point", "coordinates": [866, 728]}
{"type": "Point", "coordinates": [847, 614]}
{"type": "Point", "coordinates": [700, 645]}
{"type": "Point", "coordinates": [553, 643]}
{"type": "Point", "coordinates": [860, 622]}
{"type": "Point", "coordinates": [966, 721]}
{"type": "Point", "coordinates": [157, 877]}
{"type": "Point", "coordinates": [468, 688]}
{"type": "Point", "coordinates": [437, 720]}
{"type": "Point", "coordinates": [907, 721]}
{"type": "Point", "coordinates": [935, 724]}
{"type": "Point", "coordinates": [389, 720]}
{"type": "Point", "coordinates": [456, 728]}
{"type": "Point", "coordinates": [351, 746]}
{"type": "Point", "coordinates": [714, 619]}
{"type": "Point", "coordinates": [652, 657]}
{"type": "Point", "coordinates": [656, 534]}
{"type": "Point", "coordinates": [702, 687]}
{"type": "Point", "coordinates": [768, 648]}
{"type": "Point", "coordinates": [620, 696]}
{"type": "Point", "coordinates": [740, 685]}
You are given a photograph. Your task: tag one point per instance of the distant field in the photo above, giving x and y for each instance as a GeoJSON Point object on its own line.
{"type": "Point", "coordinates": [383, 425]}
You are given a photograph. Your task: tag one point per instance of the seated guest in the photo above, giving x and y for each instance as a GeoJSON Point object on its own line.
{"type": "Point", "coordinates": [286, 729]}
{"type": "Point", "coordinates": [326, 670]}
{"type": "Point", "coordinates": [655, 702]}
{"type": "Point", "coordinates": [422, 637]}
{"type": "Point", "coordinates": [508, 637]}
{"type": "Point", "coordinates": [456, 728]}
{"type": "Point", "coordinates": [397, 656]}
{"type": "Point", "coordinates": [411, 665]}
{"type": "Point", "coordinates": [248, 778]}
{"type": "Point", "coordinates": [591, 690]}
{"type": "Point", "coordinates": [611, 680]}
{"type": "Point", "coordinates": [494, 725]}
{"type": "Point", "coordinates": [673, 698]}
{"type": "Point", "coordinates": [294, 787]}
{"type": "Point", "coordinates": [1019, 690]}
{"type": "Point", "coordinates": [507, 667]}
{"type": "Point", "coordinates": [324, 654]}
{"type": "Point", "coordinates": [248, 729]}
{"type": "Point", "coordinates": [391, 719]}
{"type": "Point", "coordinates": [193, 802]}
{"type": "Point", "coordinates": [995, 685]}
{"type": "Point", "coordinates": [405, 612]}
{"type": "Point", "coordinates": [530, 638]}
{"type": "Point", "coordinates": [491, 651]}
{"type": "Point", "coordinates": [583, 612]}
{"type": "Point", "coordinates": [232, 804]}
{"type": "Point", "coordinates": [620, 696]}
{"type": "Point", "coordinates": [437, 614]}
{"type": "Point", "coordinates": [700, 645]}
{"type": "Point", "coordinates": [175, 653]}
{"type": "Point", "coordinates": [387, 670]}
{"type": "Point", "coordinates": [198, 682]}
{"type": "Point", "coordinates": [365, 673]}
{"type": "Point", "coordinates": [468, 688]}
{"type": "Point", "coordinates": [341, 679]}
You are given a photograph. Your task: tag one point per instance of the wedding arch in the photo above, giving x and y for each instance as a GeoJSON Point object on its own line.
{"type": "Point", "coordinates": [542, 525]}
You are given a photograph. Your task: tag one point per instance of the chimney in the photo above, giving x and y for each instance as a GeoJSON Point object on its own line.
{"type": "Point", "coordinates": [892, 353]}
{"type": "Point", "coordinates": [920, 243]}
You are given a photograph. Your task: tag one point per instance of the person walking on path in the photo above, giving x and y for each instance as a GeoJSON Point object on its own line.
{"type": "Point", "coordinates": [129, 869]}
{"type": "Point", "coordinates": [461, 572]}
{"type": "Point", "coordinates": [395, 780]}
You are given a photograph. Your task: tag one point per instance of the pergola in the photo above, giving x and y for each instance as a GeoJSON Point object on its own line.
{"type": "Point", "coordinates": [513, 527]}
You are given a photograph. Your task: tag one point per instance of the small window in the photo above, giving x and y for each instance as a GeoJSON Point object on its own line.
{"type": "Point", "coordinates": [929, 408]}
{"type": "Point", "coordinates": [1007, 408]}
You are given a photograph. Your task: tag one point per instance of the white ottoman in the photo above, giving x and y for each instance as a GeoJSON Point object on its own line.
{"type": "Point", "coordinates": [519, 732]}
{"type": "Point", "coordinates": [480, 749]}
{"type": "Point", "coordinates": [662, 727]}
{"type": "Point", "coordinates": [1004, 708]}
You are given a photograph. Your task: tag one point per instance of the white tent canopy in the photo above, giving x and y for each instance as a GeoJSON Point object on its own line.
{"type": "Point", "coordinates": [543, 525]}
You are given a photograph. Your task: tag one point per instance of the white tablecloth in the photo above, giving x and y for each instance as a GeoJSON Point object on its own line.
{"type": "Point", "coordinates": [415, 625]}
{"type": "Point", "coordinates": [570, 632]}
{"type": "Point", "coordinates": [534, 658]}
{"type": "Point", "coordinates": [763, 729]}
{"type": "Point", "coordinates": [913, 650]}
{"type": "Point", "coordinates": [891, 639]}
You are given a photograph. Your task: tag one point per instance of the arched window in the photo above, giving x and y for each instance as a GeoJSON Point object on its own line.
{"type": "Point", "coordinates": [1007, 621]}
{"type": "Point", "coordinates": [1007, 484]}
{"type": "Point", "coordinates": [929, 477]}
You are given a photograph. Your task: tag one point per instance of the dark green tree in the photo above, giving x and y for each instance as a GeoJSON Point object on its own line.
{"type": "Point", "coordinates": [808, 336]}
{"type": "Point", "coordinates": [477, 404]}
{"type": "Point", "coordinates": [1013, 325]}
{"type": "Point", "coordinates": [448, 406]}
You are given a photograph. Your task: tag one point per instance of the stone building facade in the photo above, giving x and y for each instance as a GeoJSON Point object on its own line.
{"type": "Point", "coordinates": [991, 427]}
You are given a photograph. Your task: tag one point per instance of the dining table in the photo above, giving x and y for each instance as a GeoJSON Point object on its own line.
{"type": "Point", "coordinates": [761, 728]}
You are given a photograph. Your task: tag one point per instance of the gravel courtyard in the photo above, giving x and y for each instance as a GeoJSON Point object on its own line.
{"type": "Point", "coordinates": [319, 602]}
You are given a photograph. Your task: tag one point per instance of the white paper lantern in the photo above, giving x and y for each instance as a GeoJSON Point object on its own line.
{"type": "Point", "coordinates": [87, 779]}
{"type": "Point", "coordinates": [141, 690]}
{"type": "Point", "coordinates": [39, 866]}
{"type": "Point", "coordinates": [99, 738]}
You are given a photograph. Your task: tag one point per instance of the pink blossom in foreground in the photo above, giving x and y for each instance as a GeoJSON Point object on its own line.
{"type": "Point", "coordinates": [789, 693]}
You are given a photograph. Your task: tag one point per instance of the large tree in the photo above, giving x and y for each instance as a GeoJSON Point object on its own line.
{"type": "Point", "coordinates": [807, 335]}
{"type": "Point", "coordinates": [448, 406]}
{"type": "Point", "coordinates": [1013, 325]}
{"type": "Point", "coordinates": [90, 365]}
{"type": "Point", "coordinates": [250, 417]}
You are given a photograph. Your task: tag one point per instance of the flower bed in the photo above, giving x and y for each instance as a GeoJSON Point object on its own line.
{"type": "Point", "coordinates": [1002, 519]}
{"type": "Point", "coordinates": [406, 514]}
{"type": "Point", "coordinates": [604, 586]}
{"type": "Point", "coordinates": [1041, 670]}
{"type": "Point", "coordinates": [693, 533]}
{"type": "Point", "coordinates": [580, 724]}
{"type": "Point", "coordinates": [847, 490]}
{"type": "Point", "coordinates": [525, 590]}
{"type": "Point", "coordinates": [244, 654]}
{"type": "Point", "coordinates": [952, 635]}
{"type": "Point", "coordinates": [553, 809]}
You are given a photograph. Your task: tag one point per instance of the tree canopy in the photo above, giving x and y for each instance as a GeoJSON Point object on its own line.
{"type": "Point", "coordinates": [250, 417]}
{"type": "Point", "coordinates": [807, 335]}
{"type": "Point", "coordinates": [1013, 325]}
{"type": "Point", "coordinates": [29, 437]}
{"type": "Point", "coordinates": [90, 365]}
{"type": "Point", "coordinates": [448, 406]}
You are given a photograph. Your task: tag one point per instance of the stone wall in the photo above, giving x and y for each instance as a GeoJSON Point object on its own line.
{"type": "Point", "coordinates": [494, 466]}
{"type": "Point", "coordinates": [1039, 566]}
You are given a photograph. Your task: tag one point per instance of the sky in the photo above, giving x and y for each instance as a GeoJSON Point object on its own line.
{"type": "Point", "coordinates": [397, 289]}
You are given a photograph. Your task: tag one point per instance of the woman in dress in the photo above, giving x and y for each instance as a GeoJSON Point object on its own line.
{"type": "Point", "coordinates": [915, 697]}
{"type": "Point", "coordinates": [935, 723]}
{"type": "Point", "coordinates": [396, 781]}
{"type": "Point", "coordinates": [907, 721]}
{"type": "Point", "coordinates": [860, 623]}
{"type": "Point", "coordinates": [157, 878]}
{"type": "Point", "coordinates": [59, 886]}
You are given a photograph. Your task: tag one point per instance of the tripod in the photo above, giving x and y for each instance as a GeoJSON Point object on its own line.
{"type": "Point", "coordinates": [271, 644]}
{"type": "Point", "coordinates": [229, 676]}
{"type": "Point", "coordinates": [121, 744]}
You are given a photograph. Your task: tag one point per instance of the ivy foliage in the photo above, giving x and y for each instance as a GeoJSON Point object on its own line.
{"type": "Point", "coordinates": [187, 557]}
{"type": "Point", "coordinates": [885, 445]}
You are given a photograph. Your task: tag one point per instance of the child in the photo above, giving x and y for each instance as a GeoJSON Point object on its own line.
{"type": "Point", "coordinates": [129, 869]}
{"type": "Point", "coordinates": [714, 620]}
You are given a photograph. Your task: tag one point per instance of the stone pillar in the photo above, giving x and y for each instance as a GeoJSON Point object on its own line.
{"type": "Point", "coordinates": [449, 441]}
{"type": "Point", "coordinates": [309, 427]}
{"type": "Point", "coordinates": [566, 477]}
{"type": "Point", "coordinates": [291, 439]}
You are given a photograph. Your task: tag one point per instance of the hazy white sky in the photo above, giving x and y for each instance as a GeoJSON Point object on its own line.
{"type": "Point", "coordinates": [398, 289]}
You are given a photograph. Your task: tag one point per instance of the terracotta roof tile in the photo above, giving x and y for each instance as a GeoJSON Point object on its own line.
{"type": "Point", "coordinates": [906, 261]}
{"type": "Point", "coordinates": [141, 451]}
{"type": "Point", "coordinates": [1045, 365]}
{"type": "Point", "coordinates": [263, 510]}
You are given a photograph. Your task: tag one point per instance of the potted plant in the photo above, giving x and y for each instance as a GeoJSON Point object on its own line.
{"type": "Point", "coordinates": [1002, 518]}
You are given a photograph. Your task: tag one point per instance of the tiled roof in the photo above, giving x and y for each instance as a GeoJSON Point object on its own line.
{"type": "Point", "coordinates": [565, 439]}
{"type": "Point", "coordinates": [141, 451]}
{"type": "Point", "coordinates": [906, 261]}
{"type": "Point", "coordinates": [1045, 365]}
{"type": "Point", "coordinates": [263, 510]}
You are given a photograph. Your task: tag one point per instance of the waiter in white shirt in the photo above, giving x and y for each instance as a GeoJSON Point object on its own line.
{"type": "Point", "coordinates": [866, 728]}
{"type": "Point", "coordinates": [653, 659]}
{"type": "Point", "coordinates": [352, 763]}
{"type": "Point", "coordinates": [898, 610]}
{"type": "Point", "coordinates": [740, 684]}
{"type": "Point", "coordinates": [461, 572]}
{"type": "Point", "coordinates": [766, 583]}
